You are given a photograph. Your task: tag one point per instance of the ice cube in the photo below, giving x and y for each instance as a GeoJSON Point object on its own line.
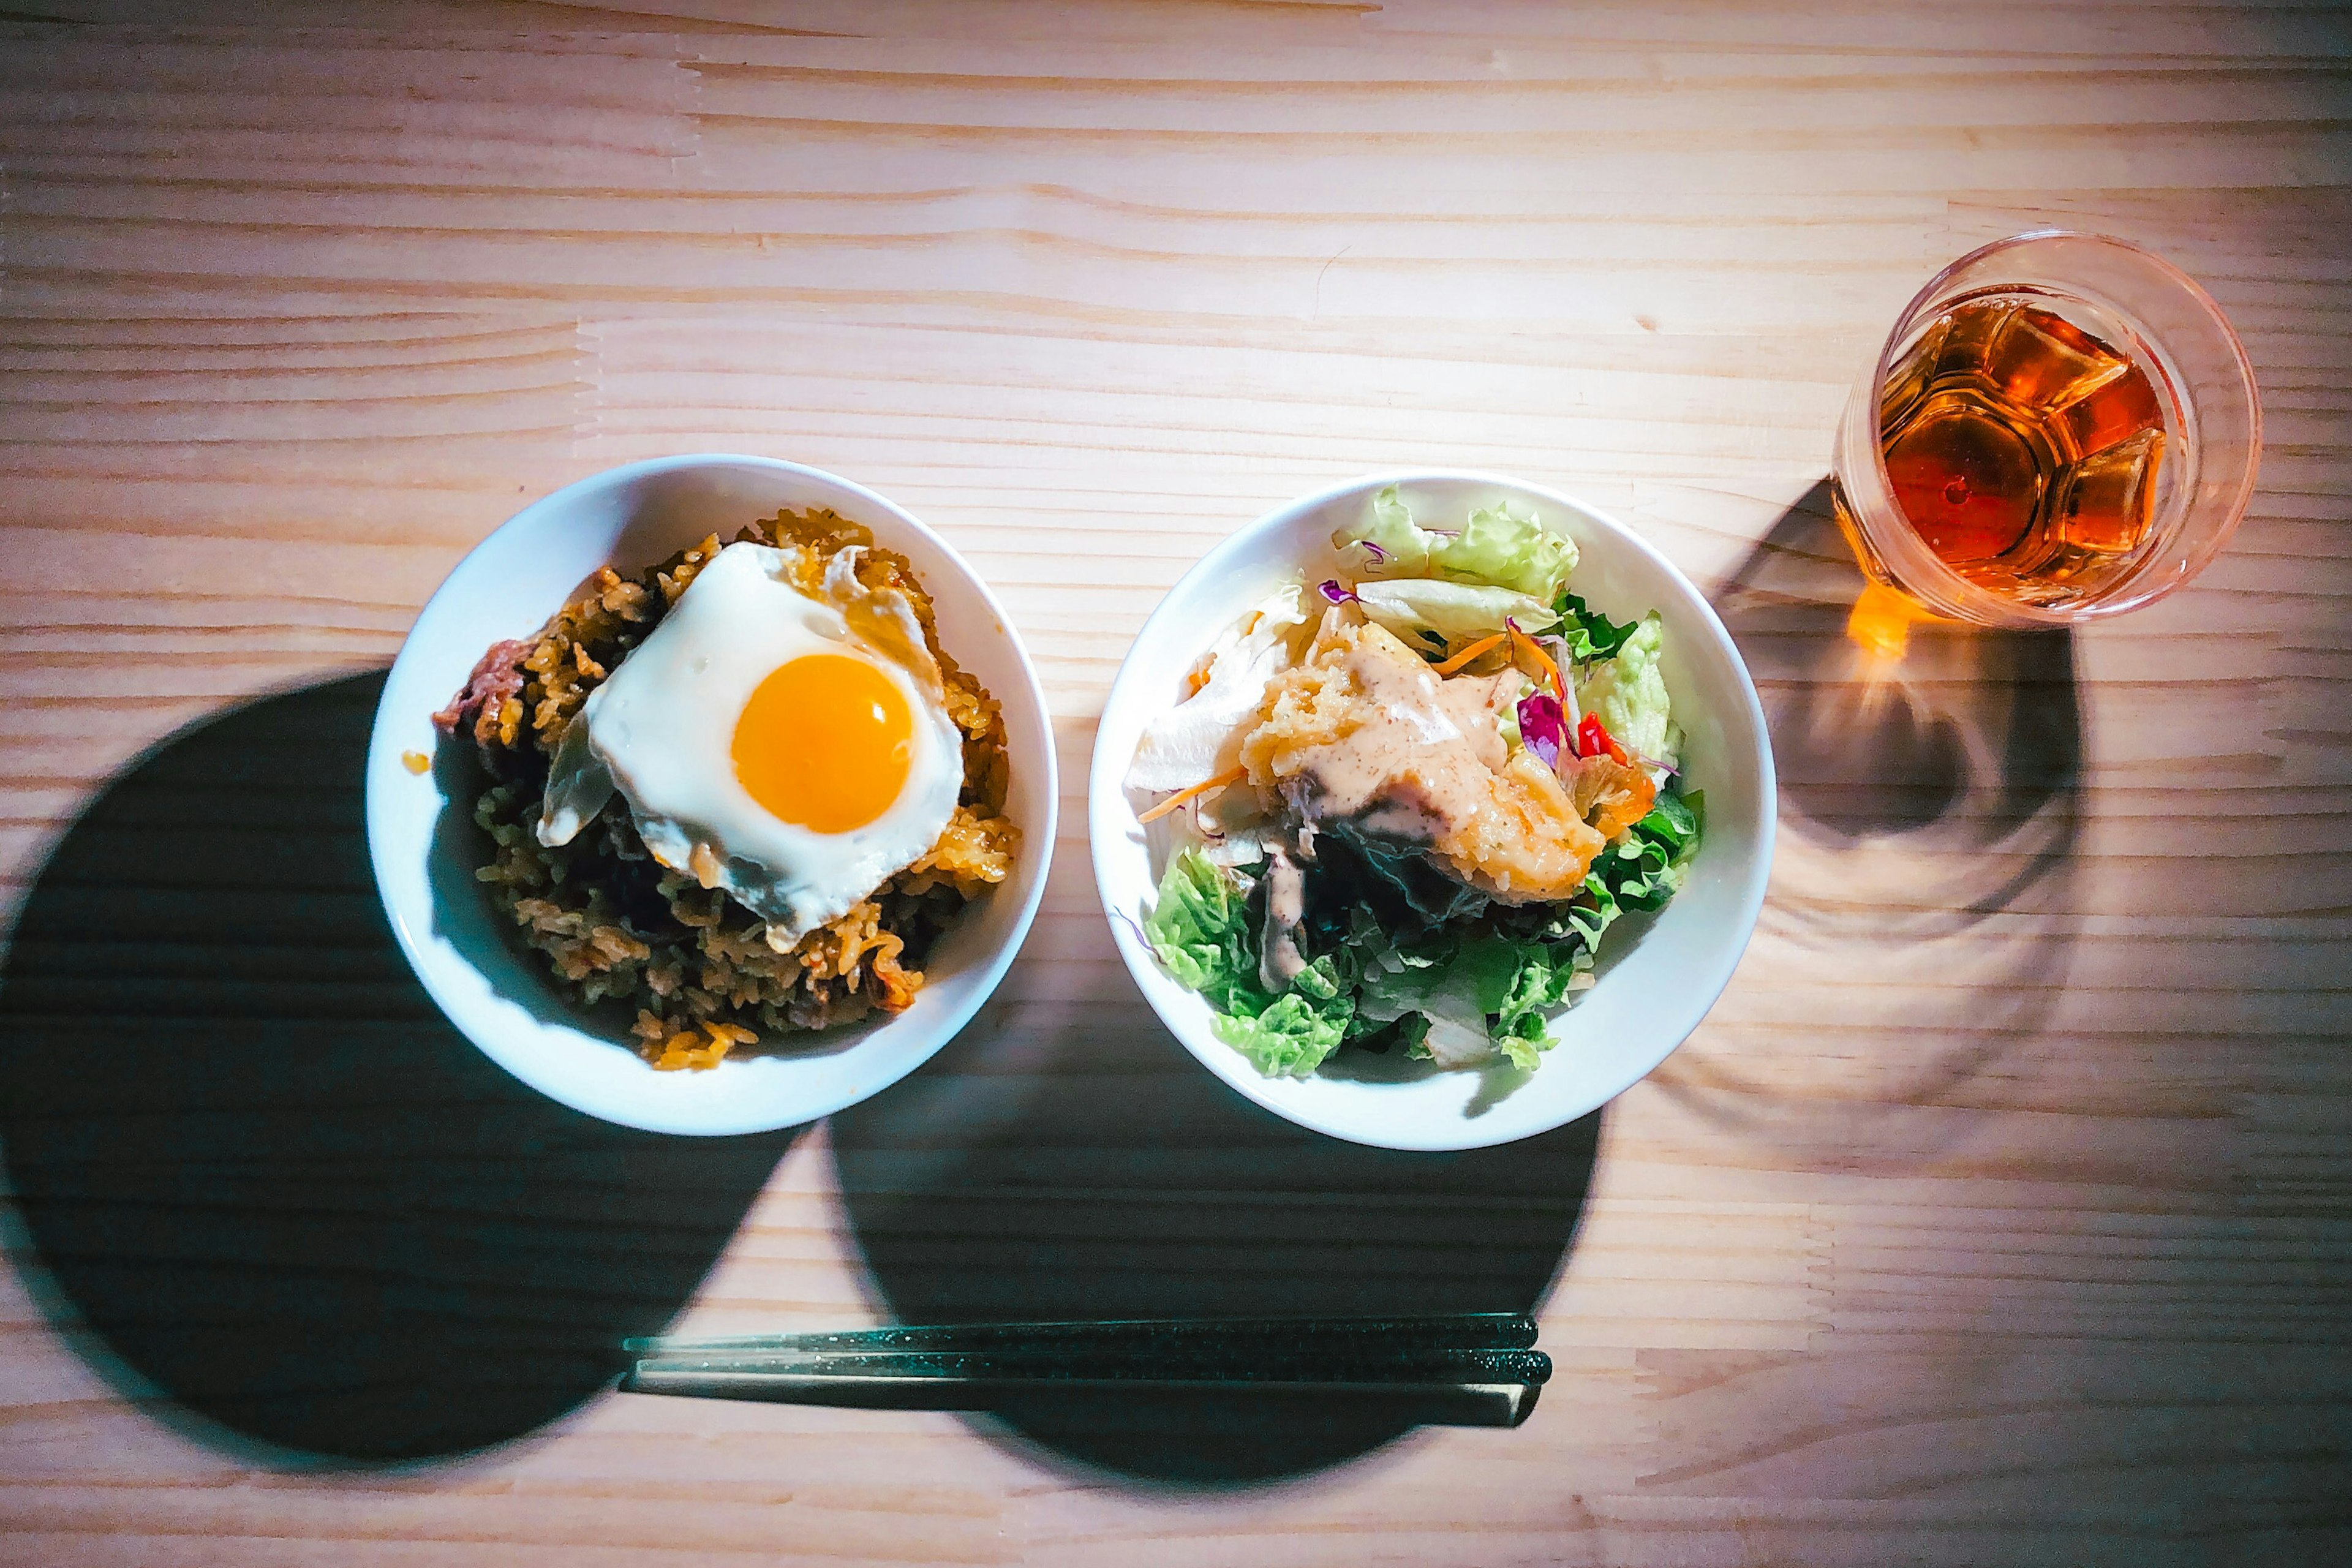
{"type": "Point", "coordinates": [2105, 506]}
{"type": "Point", "coordinates": [2042, 362]}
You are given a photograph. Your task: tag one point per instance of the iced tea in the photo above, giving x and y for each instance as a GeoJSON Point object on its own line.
{"type": "Point", "coordinates": [2022, 450]}
{"type": "Point", "coordinates": [2060, 427]}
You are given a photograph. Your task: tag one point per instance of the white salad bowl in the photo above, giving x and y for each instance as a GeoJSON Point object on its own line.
{"type": "Point", "coordinates": [425, 845]}
{"type": "Point", "coordinates": [1658, 975]}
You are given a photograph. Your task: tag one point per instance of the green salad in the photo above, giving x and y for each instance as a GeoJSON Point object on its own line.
{"type": "Point", "coordinates": [1407, 802]}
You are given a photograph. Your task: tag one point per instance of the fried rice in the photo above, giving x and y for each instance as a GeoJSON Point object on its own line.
{"type": "Point", "coordinates": [615, 925]}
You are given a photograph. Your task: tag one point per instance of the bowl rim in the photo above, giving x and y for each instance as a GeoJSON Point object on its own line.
{"type": "Point", "coordinates": [1106, 804]}
{"type": "Point", "coordinates": [390, 731]}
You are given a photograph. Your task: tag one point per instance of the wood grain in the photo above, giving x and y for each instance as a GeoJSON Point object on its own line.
{"type": "Point", "coordinates": [2000, 1210]}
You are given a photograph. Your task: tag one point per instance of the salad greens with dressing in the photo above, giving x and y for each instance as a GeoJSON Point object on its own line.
{"type": "Point", "coordinates": [1309, 931]}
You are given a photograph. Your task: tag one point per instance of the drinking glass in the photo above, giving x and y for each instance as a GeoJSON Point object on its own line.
{"type": "Point", "coordinates": [2074, 425]}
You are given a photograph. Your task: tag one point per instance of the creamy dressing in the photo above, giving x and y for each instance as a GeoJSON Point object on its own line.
{"type": "Point", "coordinates": [1421, 765]}
{"type": "Point", "coordinates": [1279, 961]}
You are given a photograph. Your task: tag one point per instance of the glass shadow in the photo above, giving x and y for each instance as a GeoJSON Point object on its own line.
{"type": "Point", "coordinates": [263, 1183]}
{"type": "Point", "coordinates": [1930, 810]}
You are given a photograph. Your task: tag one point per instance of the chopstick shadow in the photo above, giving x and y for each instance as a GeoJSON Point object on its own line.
{"type": "Point", "coordinates": [1923, 793]}
{"type": "Point", "coordinates": [1070, 1161]}
{"type": "Point", "coordinates": [264, 1188]}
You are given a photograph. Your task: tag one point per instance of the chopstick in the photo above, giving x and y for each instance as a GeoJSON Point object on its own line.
{"type": "Point", "coordinates": [1461, 1370]}
{"type": "Point", "coordinates": [1446, 1330]}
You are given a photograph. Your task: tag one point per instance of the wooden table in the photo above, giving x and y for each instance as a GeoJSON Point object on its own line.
{"type": "Point", "coordinates": [2000, 1212]}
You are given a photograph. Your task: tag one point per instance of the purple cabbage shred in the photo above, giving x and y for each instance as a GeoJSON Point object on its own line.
{"type": "Point", "coordinates": [1543, 727]}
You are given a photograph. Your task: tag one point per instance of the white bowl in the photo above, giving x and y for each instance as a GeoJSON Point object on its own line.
{"type": "Point", "coordinates": [425, 845]}
{"type": "Point", "coordinates": [1658, 975]}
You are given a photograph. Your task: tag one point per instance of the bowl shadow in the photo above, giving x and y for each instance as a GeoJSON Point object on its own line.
{"type": "Point", "coordinates": [264, 1188]}
{"type": "Point", "coordinates": [1071, 1160]}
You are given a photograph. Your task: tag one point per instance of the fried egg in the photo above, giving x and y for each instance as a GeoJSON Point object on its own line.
{"type": "Point", "coordinates": [792, 749]}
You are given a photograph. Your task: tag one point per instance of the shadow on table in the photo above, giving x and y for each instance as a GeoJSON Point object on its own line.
{"type": "Point", "coordinates": [1071, 1160]}
{"type": "Point", "coordinates": [1930, 781]}
{"type": "Point", "coordinates": [259, 1174]}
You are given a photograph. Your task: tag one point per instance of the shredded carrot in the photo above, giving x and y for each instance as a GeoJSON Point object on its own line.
{"type": "Point", "coordinates": [1559, 687]}
{"type": "Point", "coordinates": [1455, 661]}
{"type": "Point", "coordinates": [1181, 796]}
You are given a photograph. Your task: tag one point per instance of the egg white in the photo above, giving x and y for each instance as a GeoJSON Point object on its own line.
{"type": "Point", "coordinates": [660, 731]}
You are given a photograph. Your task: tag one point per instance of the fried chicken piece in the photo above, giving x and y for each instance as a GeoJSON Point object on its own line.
{"type": "Point", "coordinates": [1362, 732]}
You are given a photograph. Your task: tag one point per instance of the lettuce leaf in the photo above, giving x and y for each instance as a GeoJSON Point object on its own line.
{"type": "Point", "coordinates": [1201, 931]}
{"type": "Point", "coordinates": [1455, 612]}
{"type": "Point", "coordinates": [1499, 546]}
{"type": "Point", "coordinates": [1399, 547]}
{"type": "Point", "coordinates": [1465, 980]}
{"type": "Point", "coordinates": [1506, 546]}
{"type": "Point", "coordinates": [1590, 634]}
{"type": "Point", "coordinates": [1458, 981]}
{"type": "Point", "coordinates": [1545, 969]}
{"type": "Point", "coordinates": [1200, 928]}
{"type": "Point", "coordinates": [1630, 695]}
{"type": "Point", "coordinates": [1290, 1037]}
{"type": "Point", "coordinates": [1642, 870]}
{"type": "Point", "coordinates": [1471, 1002]}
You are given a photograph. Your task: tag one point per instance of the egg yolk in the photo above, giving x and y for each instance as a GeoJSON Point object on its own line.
{"type": "Point", "coordinates": [825, 742]}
